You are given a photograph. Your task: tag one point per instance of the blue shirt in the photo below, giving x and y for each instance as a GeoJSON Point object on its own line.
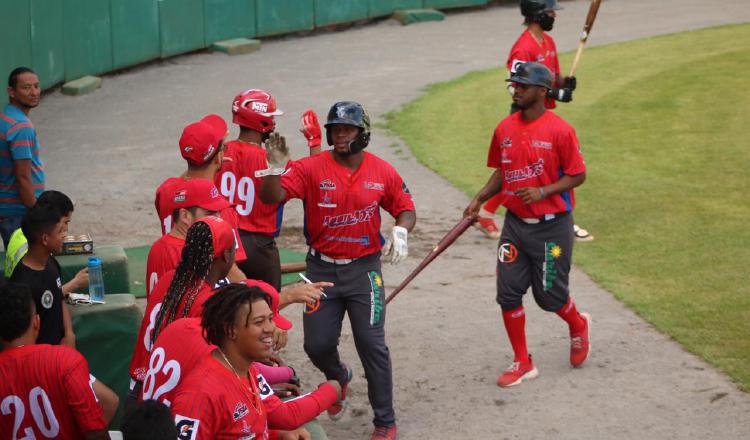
{"type": "Point", "coordinates": [17, 142]}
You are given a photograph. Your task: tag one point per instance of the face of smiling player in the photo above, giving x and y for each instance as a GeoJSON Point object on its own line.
{"type": "Point", "coordinates": [253, 330]}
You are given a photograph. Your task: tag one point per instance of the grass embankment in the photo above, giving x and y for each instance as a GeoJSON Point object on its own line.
{"type": "Point", "coordinates": [663, 124]}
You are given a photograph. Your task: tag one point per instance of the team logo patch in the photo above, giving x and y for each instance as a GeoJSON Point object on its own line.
{"type": "Point", "coordinates": [248, 431]}
{"type": "Point", "coordinates": [326, 202]}
{"type": "Point", "coordinates": [265, 389]}
{"type": "Point", "coordinates": [514, 65]}
{"type": "Point", "coordinates": [240, 411]}
{"type": "Point", "coordinates": [504, 158]}
{"type": "Point", "coordinates": [507, 253]}
{"type": "Point", "coordinates": [404, 188]}
{"type": "Point", "coordinates": [506, 143]}
{"type": "Point", "coordinates": [551, 253]}
{"type": "Point", "coordinates": [375, 185]}
{"type": "Point", "coordinates": [260, 107]}
{"type": "Point", "coordinates": [47, 299]}
{"type": "Point", "coordinates": [376, 302]}
{"type": "Point", "coordinates": [541, 144]}
{"type": "Point", "coordinates": [59, 283]}
{"type": "Point", "coordinates": [328, 185]}
{"type": "Point", "coordinates": [540, 58]}
{"type": "Point", "coordinates": [187, 428]}
{"type": "Point", "coordinates": [188, 148]}
{"type": "Point", "coordinates": [180, 196]}
{"type": "Point", "coordinates": [214, 192]}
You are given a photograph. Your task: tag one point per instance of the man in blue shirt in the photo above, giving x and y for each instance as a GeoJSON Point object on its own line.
{"type": "Point", "coordinates": [21, 168]}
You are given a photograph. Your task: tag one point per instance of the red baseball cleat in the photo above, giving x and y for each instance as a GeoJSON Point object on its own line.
{"type": "Point", "coordinates": [338, 409]}
{"type": "Point", "coordinates": [489, 227]}
{"type": "Point", "coordinates": [579, 343]}
{"type": "Point", "coordinates": [517, 373]}
{"type": "Point", "coordinates": [384, 433]}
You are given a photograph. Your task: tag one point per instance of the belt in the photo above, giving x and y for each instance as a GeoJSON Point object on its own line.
{"type": "Point", "coordinates": [542, 219]}
{"type": "Point", "coordinates": [323, 257]}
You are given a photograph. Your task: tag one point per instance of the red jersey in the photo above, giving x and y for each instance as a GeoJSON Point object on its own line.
{"type": "Point", "coordinates": [535, 153]}
{"type": "Point", "coordinates": [528, 49]}
{"type": "Point", "coordinates": [237, 182]}
{"type": "Point", "coordinates": [164, 255]}
{"type": "Point", "coordinates": [138, 365]}
{"type": "Point", "coordinates": [176, 352]}
{"type": "Point", "coordinates": [342, 208]}
{"type": "Point", "coordinates": [164, 203]}
{"type": "Point", "coordinates": [213, 403]}
{"type": "Point", "coordinates": [45, 392]}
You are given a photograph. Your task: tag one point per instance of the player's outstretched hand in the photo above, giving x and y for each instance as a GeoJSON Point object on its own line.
{"type": "Point", "coordinates": [396, 246]}
{"type": "Point", "coordinates": [297, 434]}
{"type": "Point", "coordinates": [305, 293]}
{"type": "Point", "coordinates": [311, 128]}
{"type": "Point", "coordinates": [277, 152]}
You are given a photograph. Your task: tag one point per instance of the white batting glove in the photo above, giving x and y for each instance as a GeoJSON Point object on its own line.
{"type": "Point", "coordinates": [396, 246]}
{"type": "Point", "coordinates": [277, 155]}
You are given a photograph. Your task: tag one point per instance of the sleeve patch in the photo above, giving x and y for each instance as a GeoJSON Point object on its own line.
{"type": "Point", "coordinates": [187, 428]}
{"type": "Point", "coordinates": [265, 389]}
{"type": "Point", "coordinates": [514, 65]}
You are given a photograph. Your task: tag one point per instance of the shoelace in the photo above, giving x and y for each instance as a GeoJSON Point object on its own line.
{"type": "Point", "coordinates": [380, 431]}
{"type": "Point", "coordinates": [515, 366]}
{"type": "Point", "coordinates": [576, 342]}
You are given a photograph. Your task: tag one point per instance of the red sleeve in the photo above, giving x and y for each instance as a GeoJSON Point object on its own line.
{"type": "Point", "coordinates": [296, 412]}
{"type": "Point", "coordinates": [571, 160]}
{"type": "Point", "coordinates": [80, 396]}
{"type": "Point", "coordinates": [397, 196]}
{"type": "Point", "coordinates": [493, 155]}
{"type": "Point", "coordinates": [294, 180]}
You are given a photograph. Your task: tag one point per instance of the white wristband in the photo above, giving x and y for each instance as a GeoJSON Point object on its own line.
{"type": "Point", "coordinates": [270, 172]}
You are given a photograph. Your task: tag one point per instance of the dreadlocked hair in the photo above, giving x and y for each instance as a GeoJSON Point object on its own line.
{"type": "Point", "coordinates": [218, 311]}
{"type": "Point", "coordinates": [191, 272]}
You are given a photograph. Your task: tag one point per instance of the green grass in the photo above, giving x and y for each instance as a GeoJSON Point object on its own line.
{"type": "Point", "coordinates": [662, 127]}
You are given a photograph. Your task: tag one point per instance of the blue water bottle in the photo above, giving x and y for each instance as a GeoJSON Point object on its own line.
{"type": "Point", "coordinates": [96, 279]}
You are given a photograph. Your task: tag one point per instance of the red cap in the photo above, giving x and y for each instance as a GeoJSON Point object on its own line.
{"type": "Point", "coordinates": [279, 320]}
{"type": "Point", "coordinates": [199, 192]}
{"type": "Point", "coordinates": [200, 140]}
{"type": "Point", "coordinates": [222, 234]}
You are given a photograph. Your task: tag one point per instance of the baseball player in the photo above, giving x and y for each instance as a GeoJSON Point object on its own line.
{"type": "Point", "coordinates": [254, 111]}
{"type": "Point", "coordinates": [537, 163]}
{"type": "Point", "coordinates": [46, 390]}
{"type": "Point", "coordinates": [206, 258]}
{"type": "Point", "coordinates": [342, 191]}
{"type": "Point", "coordinates": [534, 44]}
{"type": "Point", "coordinates": [225, 396]}
{"type": "Point", "coordinates": [201, 145]}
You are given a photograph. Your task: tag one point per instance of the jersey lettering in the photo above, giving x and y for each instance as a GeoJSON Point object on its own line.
{"type": "Point", "coordinates": [156, 366]}
{"type": "Point", "coordinates": [41, 411]}
{"type": "Point", "coordinates": [243, 191]}
{"type": "Point", "coordinates": [351, 218]}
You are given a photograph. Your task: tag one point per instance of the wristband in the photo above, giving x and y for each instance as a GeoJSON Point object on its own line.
{"type": "Point", "coordinates": [541, 191]}
{"type": "Point", "coordinates": [270, 172]}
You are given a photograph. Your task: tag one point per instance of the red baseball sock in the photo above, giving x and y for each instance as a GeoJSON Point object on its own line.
{"type": "Point", "coordinates": [515, 325]}
{"type": "Point", "coordinates": [493, 203]}
{"type": "Point", "coordinates": [569, 313]}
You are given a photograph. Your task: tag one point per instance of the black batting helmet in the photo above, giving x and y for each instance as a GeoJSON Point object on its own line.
{"type": "Point", "coordinates": [532, 8]}
{"type": "Point", "coordinates": [354, 114]}
{"type": "Point", "coordinates": [533, 74]}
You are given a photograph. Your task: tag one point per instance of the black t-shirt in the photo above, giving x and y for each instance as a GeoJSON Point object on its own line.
{"type": "Point", "coordinates": [46, 289]}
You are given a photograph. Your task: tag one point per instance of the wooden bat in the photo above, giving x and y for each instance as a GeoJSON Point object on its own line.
{"type": "Point", "coordinates": [593, 10]}
{"type": "Point", "coordinates": [442, 245]}
{"type": "Point", "coordinates": [293, 267]}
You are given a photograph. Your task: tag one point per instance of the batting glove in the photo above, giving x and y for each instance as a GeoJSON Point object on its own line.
{"type": "Point", "coordinates": [277, 155]}
{"type": "Point", "coordinates": [570, 82]}
{"type": "Point", "coordinates": [397, 246]}
{"type": "Point", "coordinates": [562, 95]}
{"type": "Point", "coordinates": [311, 128]}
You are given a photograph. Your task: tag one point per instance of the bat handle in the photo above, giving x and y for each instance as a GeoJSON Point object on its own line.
{"type": "Point", "coordinates": [577, 58]}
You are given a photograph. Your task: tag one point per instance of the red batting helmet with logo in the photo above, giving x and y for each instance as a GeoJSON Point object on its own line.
{"type": "Point", "coordinates": [255, 109]}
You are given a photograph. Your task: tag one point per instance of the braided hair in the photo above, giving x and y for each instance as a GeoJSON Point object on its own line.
{"type": "Point", "coordinates": [218, 311]}
{"type": "Point", "coordinates": [189, 276]}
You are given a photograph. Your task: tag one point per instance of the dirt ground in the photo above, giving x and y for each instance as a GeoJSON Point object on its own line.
{"type": "Point", "coordinates": [109, 151]}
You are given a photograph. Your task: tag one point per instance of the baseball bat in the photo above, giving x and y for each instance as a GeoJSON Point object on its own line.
{"type": "Point", "coordinates": [293, 267]}
{"type": "Point", "coordinates": [442, 245]}
{"type": "Point", "coordinates": [590, 18]}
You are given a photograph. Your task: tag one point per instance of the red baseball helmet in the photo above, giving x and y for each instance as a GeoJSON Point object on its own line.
{"type": "Point", "coordinates": [255, 109]}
